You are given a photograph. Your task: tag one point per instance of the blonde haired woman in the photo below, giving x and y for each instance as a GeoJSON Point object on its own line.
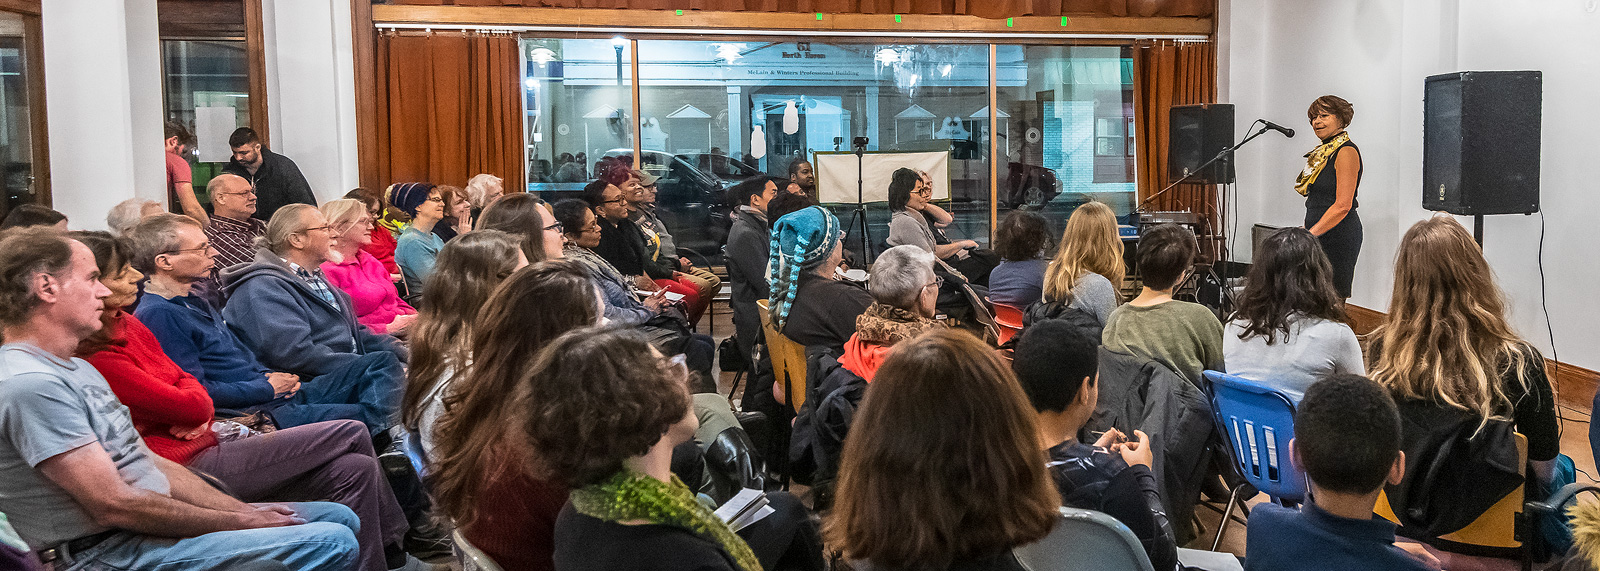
{"type": "Point", "coordinates": [372, 294]}
{"type": "Point", "coordinates": [1446, 343]}
{"type": "Point", "coordinates": [1087, 272]}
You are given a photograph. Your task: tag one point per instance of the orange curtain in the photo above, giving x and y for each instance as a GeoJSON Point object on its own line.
{"type": "Point", "coordinates": [1167, 73]}
{"type": "Point", "coordinates": [981, 8]}
{"type": "Point", "coordinates": [449, 108]}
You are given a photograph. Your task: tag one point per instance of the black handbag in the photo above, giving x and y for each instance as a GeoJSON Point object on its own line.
{"type": "Point", "coordinates": [729, 356]}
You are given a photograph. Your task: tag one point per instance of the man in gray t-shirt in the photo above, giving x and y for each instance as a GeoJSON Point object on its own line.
{"type": "Point", "coordinates": [57, 405]}
{"type": "Point", "coordinates": [76, 479]}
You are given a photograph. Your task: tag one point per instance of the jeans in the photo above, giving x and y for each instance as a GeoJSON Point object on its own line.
{"type": "Point", "coordinates": [367, 389]}
{"type": "Point", "coordinates": [327, 542]}
{"type": "Point", "coordinates": [331, 461]}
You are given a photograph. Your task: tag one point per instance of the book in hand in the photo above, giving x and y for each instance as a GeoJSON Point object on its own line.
{"type": "Point", "coordinates": [746, 507]}
{"type": "Point", "coordinates": [671, 296]}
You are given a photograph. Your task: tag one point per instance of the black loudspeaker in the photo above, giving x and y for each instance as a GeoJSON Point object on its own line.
{"type": "Point", "coordinates": [1197, 133]}
{"type": "Point", "coordinates": [1480, 142]}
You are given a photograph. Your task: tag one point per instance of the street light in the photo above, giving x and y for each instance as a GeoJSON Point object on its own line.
{"type": "Point", "coordinates": [617, 43]}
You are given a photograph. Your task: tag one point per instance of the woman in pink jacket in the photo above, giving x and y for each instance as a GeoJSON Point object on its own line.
{"type": "Point", "coordinates": [377, 303]}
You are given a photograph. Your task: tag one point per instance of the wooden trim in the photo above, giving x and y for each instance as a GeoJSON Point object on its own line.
{"type": "Point", "coordinates": [28, 7]}
{"type": "Point", "coordinates": [638, 114]}
{"type": "Point", "coordinates": [363, 39]}
{"type": "Point", "coordinates": [255, 50]}
{"type": "Point", "coordinates": [1574, 386]}
{"type": "Point", "coordinates": [803, 21]}
{"type": "Point", "coordinates": [38, 114]}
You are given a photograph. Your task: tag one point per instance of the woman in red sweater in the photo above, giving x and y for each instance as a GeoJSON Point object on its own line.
{"type": "Point", "coordinates": [173, 413]}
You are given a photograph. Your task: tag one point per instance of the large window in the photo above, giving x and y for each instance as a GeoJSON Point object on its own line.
{"type": "Point", "coordinates": [24, 168]}
{"type": "Point", "coordinates": [207, 91]}
{"type": "Point", "coordinates": [712, 112]}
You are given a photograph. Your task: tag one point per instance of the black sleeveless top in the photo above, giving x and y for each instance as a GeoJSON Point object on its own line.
{"type": "Point", "coordinates": [1325, 191]}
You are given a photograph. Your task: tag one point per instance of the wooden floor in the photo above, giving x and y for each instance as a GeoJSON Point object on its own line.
{"type": "Point", "coordinates": [1574, 443]}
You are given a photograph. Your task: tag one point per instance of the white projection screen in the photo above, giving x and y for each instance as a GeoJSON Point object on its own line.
{"type": "Point", "coordinates": [836, 174]}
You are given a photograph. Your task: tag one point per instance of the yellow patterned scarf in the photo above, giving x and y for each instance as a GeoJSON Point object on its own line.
{"type": "Point", "coordinates": [1316, 160]}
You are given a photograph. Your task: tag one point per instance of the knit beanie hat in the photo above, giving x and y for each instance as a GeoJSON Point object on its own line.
{"type": "Point", "coordinates": [407, 196]}
{"type": "Point", "coordinates": [801, 240]}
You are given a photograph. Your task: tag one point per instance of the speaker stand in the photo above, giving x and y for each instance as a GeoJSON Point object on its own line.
{"type": "Point", "coordinates": [1477, 229]}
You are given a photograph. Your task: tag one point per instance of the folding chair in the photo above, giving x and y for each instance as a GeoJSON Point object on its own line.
{"type": "Point", "coordinates": [1257, 423]}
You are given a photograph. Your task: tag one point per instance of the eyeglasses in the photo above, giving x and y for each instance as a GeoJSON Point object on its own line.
{"type": "Point", "coordinates": [611, 201]}
{"type": "Point", "coordinates": [251, 192]}
{"type": "Point", "coordinates": [938, 281]}
{"type": "Point", "coordinates": [438, 199]}
{"type": "Point", "coordinates": [557, 227]}
{"type": "Point", "coordinates": [201, 249]}
{"type": "Point", "coordinates": [322, 228]}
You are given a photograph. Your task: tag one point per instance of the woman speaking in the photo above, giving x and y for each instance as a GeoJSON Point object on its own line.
{"type": "Point", "coordinates": [1329, 181]}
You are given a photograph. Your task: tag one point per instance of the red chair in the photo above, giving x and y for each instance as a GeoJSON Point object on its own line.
{"type": "Point", "coordinates": [1009, 318]}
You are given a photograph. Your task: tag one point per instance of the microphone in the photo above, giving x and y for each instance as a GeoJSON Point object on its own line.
{"type": "Point", "coordinates": [1287, 132]}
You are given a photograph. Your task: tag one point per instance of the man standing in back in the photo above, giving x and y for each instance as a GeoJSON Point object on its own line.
{"type": "Point", "coordinates": [277, 180]}
{"type": "Point", "coordinates": [180, 178]}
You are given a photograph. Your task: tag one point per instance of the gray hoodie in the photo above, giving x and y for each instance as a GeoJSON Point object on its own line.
{"type": "Point", "coordinates": [288, 326]}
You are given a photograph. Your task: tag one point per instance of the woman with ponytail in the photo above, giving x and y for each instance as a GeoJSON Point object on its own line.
{"type": "Point", "coordinates": [809, 304]}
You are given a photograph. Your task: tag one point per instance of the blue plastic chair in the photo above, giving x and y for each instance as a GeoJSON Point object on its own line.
{"type": "Point", "coordinates": [1085, 540]}
{"type": "Point", "coordinates": [1257, 423]}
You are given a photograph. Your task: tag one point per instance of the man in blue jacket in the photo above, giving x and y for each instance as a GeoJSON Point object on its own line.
{"type": "Point", "coordinates": [174, 252]}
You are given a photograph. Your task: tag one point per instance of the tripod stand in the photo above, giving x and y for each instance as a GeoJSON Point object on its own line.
{"type": "Point", "coordinates": [859, 146]}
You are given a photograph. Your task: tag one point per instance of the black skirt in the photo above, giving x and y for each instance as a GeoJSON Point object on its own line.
{"type": "Point", "coordinates": [1343, 246]}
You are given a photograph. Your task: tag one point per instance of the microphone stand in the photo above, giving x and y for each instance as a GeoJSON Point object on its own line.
{"type": "Point", "coordinates": [1225, 155]}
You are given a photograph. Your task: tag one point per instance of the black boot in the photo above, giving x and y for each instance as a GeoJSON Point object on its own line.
{"type": "Point", "coordinates": [426, 539]}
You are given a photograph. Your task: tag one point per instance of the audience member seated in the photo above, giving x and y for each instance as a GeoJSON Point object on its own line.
{"type": "Point", "coordinates": [1347, 439]}
{"type": "Point", "coordinates": [172, 253]}
{"type": "Point", "coordinates": [1086, 273]}
{"type": "Point", "coordinates": [483, 475]}
{"type": "Point", "coordinates": [27, 215]}
{"type": "Point", "coordinates": [1057, 366]}
{"type": "Point", "coordinates": [952, 477]}
{"type": "Point", "coordinates": [909, 201]}
{"type": "Point", "coordinates": [1020, 241]}
{"type": "Point", "coordinates": [746, 256]}
{"type": "Point", "coordinates": [904, 289]}
{"type": "Point", "coordinates": [76, 479]}
{"type": "Point", "coordinates": [1184, 336]}
{"type": "Point", "coordinates": [284, 310]}
{"type": "Point", "coordinates": [417, 246]}
{"type": "Point", "coordinates": [482, 190]}
{"type": "Point", "coordinates": [622, 243]}
{"type": "Point", "coordinates": [382, 244]}
{"type": "Point", "coordinates": [172, 412]}
{"type": "Point", "coordinates": [659, 243]}
{"type": "Point", "coordinates": [527, 217]}
{"type": "Point", "coordinates": [605, 412]}
{"type": "Point", "coordinates": [810, 305]}
{"type": "Point", "coordinates": [1447, 347]}
{"type": "Point", "coordinates": [457, 213]}
{"type": "Point", "coordinates": [1289, 329]}
{"type": "Point", "coordinates": [276, 178]}
{"type": "Point", "coordinates": [233, 231]}
{"type": "Point", "coordinates": [127, 214]}
{"type": "Point", "coordinates": [665, 324]}
{"type": "Point", "coordinates": [469, 269]}
{"type": "Point", "coordinates": [785, 202]}
{"type": "Point", "coordinates": [377, 304]}
{"type": "Point", "coordinates": [804, 176]}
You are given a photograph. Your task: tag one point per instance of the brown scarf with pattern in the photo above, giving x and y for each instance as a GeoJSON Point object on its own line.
{"type": "Point", "coordinates": [886, 325]}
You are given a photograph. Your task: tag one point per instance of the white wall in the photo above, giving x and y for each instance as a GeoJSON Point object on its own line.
{"type": "Point", "coordinates": [1279, 55]}
{"type": "Point", "coordinates": [102, 69]}
{"type": "Point", "coordinates": [311, 90]}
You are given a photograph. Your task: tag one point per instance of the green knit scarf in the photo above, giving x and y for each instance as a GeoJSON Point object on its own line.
{"type": "Point", "coordinates": [631, 496]}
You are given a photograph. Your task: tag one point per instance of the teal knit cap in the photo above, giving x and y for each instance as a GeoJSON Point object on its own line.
{"type": "Point", "coordinates": [801, 240]}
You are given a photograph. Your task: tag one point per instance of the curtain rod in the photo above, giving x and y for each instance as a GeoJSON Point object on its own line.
{"type": "Point", "coordinates": [788, 33]}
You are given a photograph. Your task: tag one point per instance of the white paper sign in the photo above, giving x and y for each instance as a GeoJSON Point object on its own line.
{"type": "Point", "coordinates": [836, 174]}
{"type": "Point", "coordinates": [212, 127]}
